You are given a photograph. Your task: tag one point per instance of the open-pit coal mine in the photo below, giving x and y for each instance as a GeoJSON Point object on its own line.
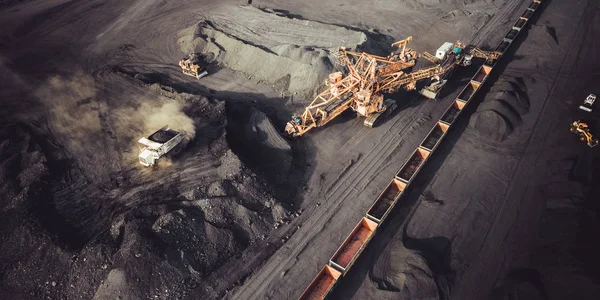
{"type": "Point", "coordinates": [218, 149]}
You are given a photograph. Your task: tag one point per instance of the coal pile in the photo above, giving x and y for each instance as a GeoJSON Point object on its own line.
{"type": "Point", "coordinates": [162, 136]}
{"type": "Point", "coordinates": [288, 53]}
{"type": "Point", "coordinates": [407, 272]}
{"type": "Point", "coordinates": [263, 146]}
{"type": "Point", "coordinates": [23, 168]}
{"type": "Point", "coordinates": [498, 116]}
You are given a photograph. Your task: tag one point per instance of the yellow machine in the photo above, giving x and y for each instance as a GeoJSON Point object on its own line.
{"type": "Point", "coordinates": [583, 130]}
{"type": "Point", "coordinates": [190, 65]}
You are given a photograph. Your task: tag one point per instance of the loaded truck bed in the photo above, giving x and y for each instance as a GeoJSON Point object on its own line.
{"type": "Point", "coordinates": [163, 135]}
{"type": "Point", "coordinates": [158, 144]}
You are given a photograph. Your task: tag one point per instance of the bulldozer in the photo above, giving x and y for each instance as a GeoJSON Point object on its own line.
{"type": "Point", "coordinates": [582, 129]}
{"type": "Point", "coordinates": [191, 65]}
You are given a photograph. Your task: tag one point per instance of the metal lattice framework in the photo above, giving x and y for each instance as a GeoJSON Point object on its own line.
{"type": "Point", "coordinates": [364, 73]}
{"type": "Point", "coordinates": [368, 78]}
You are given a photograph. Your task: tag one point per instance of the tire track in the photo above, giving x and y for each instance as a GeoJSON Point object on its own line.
{"type": "Point", "coordinates": [320, 220]}
{"type": "Point", "coordinates": [409, 119]}
{"type": "Point", "coordinates": [364, 132]}
{"type": "Point", "coordinates": [494, 24]}
{"type": "Point", "coordinates": [375, 155]}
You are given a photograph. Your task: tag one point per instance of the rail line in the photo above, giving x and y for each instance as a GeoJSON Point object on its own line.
{"type": "Point", "coordinates": [345, 256]}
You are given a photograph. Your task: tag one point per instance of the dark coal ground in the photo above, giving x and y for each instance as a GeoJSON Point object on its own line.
{"type": "Point", "coordinates": [81, 81]}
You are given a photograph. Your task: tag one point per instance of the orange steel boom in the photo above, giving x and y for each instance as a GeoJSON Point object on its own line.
{"type": "Point", "coordinates": [356, 89]}
{"type": "Point", "coordinates": [370, 76]}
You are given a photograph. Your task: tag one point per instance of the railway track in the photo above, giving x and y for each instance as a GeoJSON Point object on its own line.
{"type": "Point", "coordinates": [342, 260]}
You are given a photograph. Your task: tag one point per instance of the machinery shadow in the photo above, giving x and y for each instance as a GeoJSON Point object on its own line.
{"type": "Point", "coordinates": [267, 155]}
{"type": "Point", "coordinates": [505, 289]}
{"type": "Point", "coordinates": [437, 252]}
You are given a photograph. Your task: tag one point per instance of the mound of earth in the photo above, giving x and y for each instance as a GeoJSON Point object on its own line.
{"type": "Point", "coordinates": [139, 232]}
{"type": "Point", "coordinates": [263, 147]}
{"type": "Point", "coordinates": [291, 54]}
{"type": "Point", "coordinates": [513, 100]}
{"type": "Point", "coordinates": [502, 108]}
{"type": "Point", "coordinates": [28, 268]}
{"type": "Point", "coordinates": [407, 272]}
{"type": "Point", "coordinates": [490, 125]}
{"type": "Point", "coordinates": [256, 25]}
{"type": "Point", "coordinates": [498, 116]}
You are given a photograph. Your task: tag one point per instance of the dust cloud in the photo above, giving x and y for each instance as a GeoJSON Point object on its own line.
{"type": "Point", "coordinates": [169, 113]}
{"type": "Point", "coordinates": [82, 121]}
{"type": "Point", "coordinates": [71, 112]}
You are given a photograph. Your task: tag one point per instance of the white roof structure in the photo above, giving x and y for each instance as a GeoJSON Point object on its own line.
{"type": "Point", "coordinates": [441, 51]}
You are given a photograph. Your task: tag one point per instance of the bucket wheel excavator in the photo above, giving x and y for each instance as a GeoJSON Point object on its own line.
{"type": "Point", "coordinates": [369, 77]}
{"type": "Point", "coordinates": [358, 90]}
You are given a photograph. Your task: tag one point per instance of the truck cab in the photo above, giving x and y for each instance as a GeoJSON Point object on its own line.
{"type": "Point", "coordinates": [147, 158]}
